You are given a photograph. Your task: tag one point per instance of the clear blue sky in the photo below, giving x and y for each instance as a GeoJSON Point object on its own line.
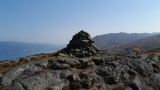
{"type": "Point", "coordinates": [55, 21]}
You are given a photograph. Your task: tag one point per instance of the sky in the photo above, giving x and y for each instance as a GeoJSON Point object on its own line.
{"type": "Point", "coordinates": [56, 21]}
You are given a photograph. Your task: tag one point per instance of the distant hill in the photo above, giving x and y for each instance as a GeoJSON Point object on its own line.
{"type": "Point", "coordinates": [111, 40]}
{"type": "Point", "coordinates": [149, 43]}
{"type": "Point", "coordinates": [12, 50]}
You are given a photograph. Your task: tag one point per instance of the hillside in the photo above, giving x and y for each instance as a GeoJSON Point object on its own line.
{"type": "Point", "coordinates": [12, 50]}
{"type": "Point", "coordinates": [111, 40]}
{"type": "Point", "coordinates": [149, 43]}
{"type": "Point", "coordinates": [82, 67]}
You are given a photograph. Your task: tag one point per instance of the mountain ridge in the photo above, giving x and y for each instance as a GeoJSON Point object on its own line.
{"type": "Point", "coordinates": [112, 40]}
{"type": "Point", "coordinates": [148, 43]}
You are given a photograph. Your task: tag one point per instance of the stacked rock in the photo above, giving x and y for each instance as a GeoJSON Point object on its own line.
{"type": "Point", "coordinates": [80, 46]}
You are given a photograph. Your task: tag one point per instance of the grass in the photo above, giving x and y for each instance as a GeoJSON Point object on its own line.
{"type": "Point", "coordinates": [6, 66]}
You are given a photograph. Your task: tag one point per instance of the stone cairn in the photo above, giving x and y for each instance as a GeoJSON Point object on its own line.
{"type": "Point", "coordinates": [80, 46]}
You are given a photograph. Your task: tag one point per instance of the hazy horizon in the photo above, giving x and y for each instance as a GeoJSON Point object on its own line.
{"type": "Point", "coordinates": [66, 42]}
{"type": "Point", "coordinates": [55, 21]}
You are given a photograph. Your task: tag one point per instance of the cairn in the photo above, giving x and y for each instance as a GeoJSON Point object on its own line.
{"type": "Point", "coordinates": [80, 46]}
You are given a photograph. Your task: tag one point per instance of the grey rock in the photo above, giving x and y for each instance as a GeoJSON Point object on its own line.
{"type": "Point", "coordinates": [156, 59]}
{"type": "Point", "coordinates": [72, 62]}
{"type": "Point", "coordinates": [44, 81]}
{"type": "Point", "coordinates": [58, 66]}
{"type": "Point", "coordinates": [24, 70]}
{"type": "Point", "coordinates": [98, 61]}
{"type": "Point", "coordinates": [141, 67]}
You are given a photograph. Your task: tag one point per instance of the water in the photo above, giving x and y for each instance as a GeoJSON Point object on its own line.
{"type": "Point", "coordinates": [12, 50]}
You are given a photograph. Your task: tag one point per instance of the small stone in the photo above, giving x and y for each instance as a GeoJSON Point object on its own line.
{"type": "Point", "coordinates": [62, 55]}
{"type": "Point", "coordinates": [58, 66]}
{"type": "Point", "coordinates": [98, 61]}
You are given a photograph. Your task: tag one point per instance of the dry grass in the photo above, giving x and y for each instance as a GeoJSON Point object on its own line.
{"type": "Point", "coordinates": [6, 66]}
{"type": "Point", "coordinates": [153, 52]}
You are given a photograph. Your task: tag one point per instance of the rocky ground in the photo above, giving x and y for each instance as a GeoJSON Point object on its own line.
{"type": "Point", "coordinates": [81, 66]}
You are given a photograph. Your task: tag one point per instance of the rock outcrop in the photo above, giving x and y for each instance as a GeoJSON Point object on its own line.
{"type": "Point", "coordinates": [80, 46]}
{"type": "Point", "coordinates": [140, 71]}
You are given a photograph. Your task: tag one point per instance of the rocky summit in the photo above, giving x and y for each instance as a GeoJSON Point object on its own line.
{"type": "Point", "coordinates": [80, 66]}
{"type": "Point", "coordinates": [81, 46]}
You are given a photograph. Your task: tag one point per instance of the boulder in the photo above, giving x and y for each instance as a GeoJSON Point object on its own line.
{"type": "Point", "coordinates": [58, 66]}
{"type": "Point", "coordinates": [43, 81]}
{"type": "Point", "coordinates": [98, 61]}
{"type": "Point", "coordinates": [141, 67]}
{"type": "Point", "coordinates": [23, 71]}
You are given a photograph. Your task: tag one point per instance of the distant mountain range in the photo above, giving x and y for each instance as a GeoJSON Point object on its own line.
{"type": "Point", "coordinates": [149, 43]}
{"type": "Point", "coordinates": [112, 40]}
{"type": "Point", "coordinates": [12, 50]}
